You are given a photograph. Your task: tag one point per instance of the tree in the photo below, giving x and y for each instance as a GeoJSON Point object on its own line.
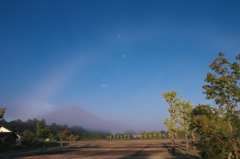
{"type": "Point", "coordinates": [172, 99]}
{"type": "Point", "coordinates": [160, 136]}
{"type": "Point", "coordinates": [2, 111]}
{"type": "Point", "coordinates": [128, 136]}
{"type": "Point", "coordinates": [224, 89]}
{"type": "Point", "coordinates": [62, 135]}
{"type": "Point", "coordinates": [43, 133]}
{"type": "Point", "coordinates": [109, 136]}
{"type": "Point", "coordinates": [28, 138]}
{"type": "Point", "coordinates": [70, 138]}
{"type": "Point", "coordinates": [217, 126]}
{"type": "Point", "coordinates": [183, 111]}
{"type": "Point", "coordinates": [154, 135]}
{"type": "Point", "coordinates": [214, 131]}
{"type": "Point", "coordinates": [164, 136]}
{"type": "Point", "coordinates": [150, 136]}
{"type": "Point", "coordinates": [75, 137]}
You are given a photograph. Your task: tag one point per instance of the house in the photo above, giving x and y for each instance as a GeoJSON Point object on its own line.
{"type": "Point", "coordinates": [8, 136]}
{"type": "Point", "coordinates": [136, 136]}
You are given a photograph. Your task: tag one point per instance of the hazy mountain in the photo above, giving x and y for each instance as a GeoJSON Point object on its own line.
{"type": "Point", "coordinates": [73, 115]}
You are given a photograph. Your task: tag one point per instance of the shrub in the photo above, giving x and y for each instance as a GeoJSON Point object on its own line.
{"type": "Point", "coordinates": [28, 138]}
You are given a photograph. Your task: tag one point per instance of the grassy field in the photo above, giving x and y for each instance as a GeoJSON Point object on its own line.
{"type": "Point", "coordinates": [143, 149]}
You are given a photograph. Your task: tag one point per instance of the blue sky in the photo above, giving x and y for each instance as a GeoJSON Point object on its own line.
{"type": "Point", "coordinates": [111, 58]}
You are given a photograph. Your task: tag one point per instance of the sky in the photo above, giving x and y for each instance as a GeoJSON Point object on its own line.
{"type": "Point", "coordinates": [111, 58]}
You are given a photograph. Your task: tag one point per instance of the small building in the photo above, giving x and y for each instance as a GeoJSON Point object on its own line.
{"type": "Point", "coordinates": [136, 136]}
{"type": "Point", "coordinates": [8, 136]}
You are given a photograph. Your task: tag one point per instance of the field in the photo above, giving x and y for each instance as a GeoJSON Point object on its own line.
{"type": "Point", "coordinates": [149, 149]}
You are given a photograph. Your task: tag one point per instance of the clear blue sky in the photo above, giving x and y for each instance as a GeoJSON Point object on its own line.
{"type": "Point", "coordinates": [111, 58]}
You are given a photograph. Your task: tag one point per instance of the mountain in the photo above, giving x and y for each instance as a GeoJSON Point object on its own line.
{"type": "Point", "coordinates": [73, 115]}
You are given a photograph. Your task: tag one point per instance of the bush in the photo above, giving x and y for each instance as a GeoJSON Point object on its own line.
{"type": "Point", "coordinates": [28, 138]}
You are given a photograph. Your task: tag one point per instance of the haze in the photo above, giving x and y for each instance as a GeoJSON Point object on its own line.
{"type": "Point", "coordinates": [111, 58]}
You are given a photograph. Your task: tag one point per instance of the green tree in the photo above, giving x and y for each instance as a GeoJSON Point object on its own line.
{"type": "Point", "coordinates": [28, 138]}
{"type": "Point", "coordinates": [164, 136]}
{"type": "Point", "coordinates": [160, 136]}
{"type": "Point", "coordinates": [217, 127]}
{"type": "Point", "coordinates": [62, 135]}
{"type": "Point", "coordinates": [43, 133]}
{"type": "Point", "coordinates": [109, 136]}
{"type": "Point", "coordinates": [214, 131]}
{"type": "Point", "coordinates": [224, 89]}
{"type": "Point", "coordinates": [183, 111]}
{"type": "Point", "coordinates": [172, 99]}
{"type": "Point", "coordinates": [76, 137]}
{"type": "Point", "coordinates": [150, 136]}
{"type": "Point", "coordinates": [154, 135]}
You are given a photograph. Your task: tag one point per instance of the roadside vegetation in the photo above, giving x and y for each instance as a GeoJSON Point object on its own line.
{"type": "Point", "coordinates": [37, 134]}
{"type": "Point", "coordinates": [218, 127]}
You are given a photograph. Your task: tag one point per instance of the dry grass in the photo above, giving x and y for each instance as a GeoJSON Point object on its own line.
{"type": "Point", "coordinates": [112, 149]}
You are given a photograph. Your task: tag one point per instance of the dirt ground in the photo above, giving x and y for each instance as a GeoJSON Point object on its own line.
{"type": "Point", "coordinates": [106, 150]}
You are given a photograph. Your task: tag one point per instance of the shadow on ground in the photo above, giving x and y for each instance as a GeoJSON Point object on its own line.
{"type": "Point", "coordinates": [179, 153]}
{"type": "Point", "coordinates": [136, 154]}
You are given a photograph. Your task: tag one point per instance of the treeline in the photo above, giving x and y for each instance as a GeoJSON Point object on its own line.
{"type": "Point", "coordinates": [153, 135]}
{"type": "Point", "coordinates": [180, 134]}
{"type": "Point", "coordinates": [18, 126]}
{"type": "Point", "coordinates": [118, 136]}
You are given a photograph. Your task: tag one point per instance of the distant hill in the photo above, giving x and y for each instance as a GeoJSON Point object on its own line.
{"type": "Point", "coordinates": [73, 115]}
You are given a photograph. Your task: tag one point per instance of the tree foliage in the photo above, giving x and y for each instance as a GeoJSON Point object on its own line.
{"type": "Point", "coordinates": [43, 133]}
{"type": "Point", "coordinates": [2, 112]}
{"type": "Point", "coordinates": [70, 138]}
{"type": "Point", "coordinates": [218, 127]}
{"type": "Point", "coordinates": [20, 126]}
{"type": "Point", "coordinates": [184, 109]}
{"type": "Point", "coordinates": [63, 135]}
{"type": "Point", "coordinates": [173, 100]}
{"type": "Point", "coordinates": [214, 132]}
{"type": "Point", "coordinates": [29, 138]}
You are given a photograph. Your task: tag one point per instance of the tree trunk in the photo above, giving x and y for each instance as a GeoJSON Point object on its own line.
{"type": "Point", "coordinates": [61, 143]}
{"type": "Point", "coordinates": [186, 136]}
{"type": "Point", "coordinates": [44, 145]}
{"type": "Point", "coordinates": [193, 137]}
{"type": "Point", "coordinates": [173, 149]}
{"type": "Point", "coordinates": [234, 141]}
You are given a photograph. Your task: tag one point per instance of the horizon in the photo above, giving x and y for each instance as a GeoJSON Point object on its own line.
{"type": "Point", "coordinates": [111, 58]}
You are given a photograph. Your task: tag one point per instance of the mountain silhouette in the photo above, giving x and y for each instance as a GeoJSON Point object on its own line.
{"type": "Point", "coordinates": [73, 115]}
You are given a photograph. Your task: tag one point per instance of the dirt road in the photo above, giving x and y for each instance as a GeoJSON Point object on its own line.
{"type": "Point", "coordinates": [104, 150]}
